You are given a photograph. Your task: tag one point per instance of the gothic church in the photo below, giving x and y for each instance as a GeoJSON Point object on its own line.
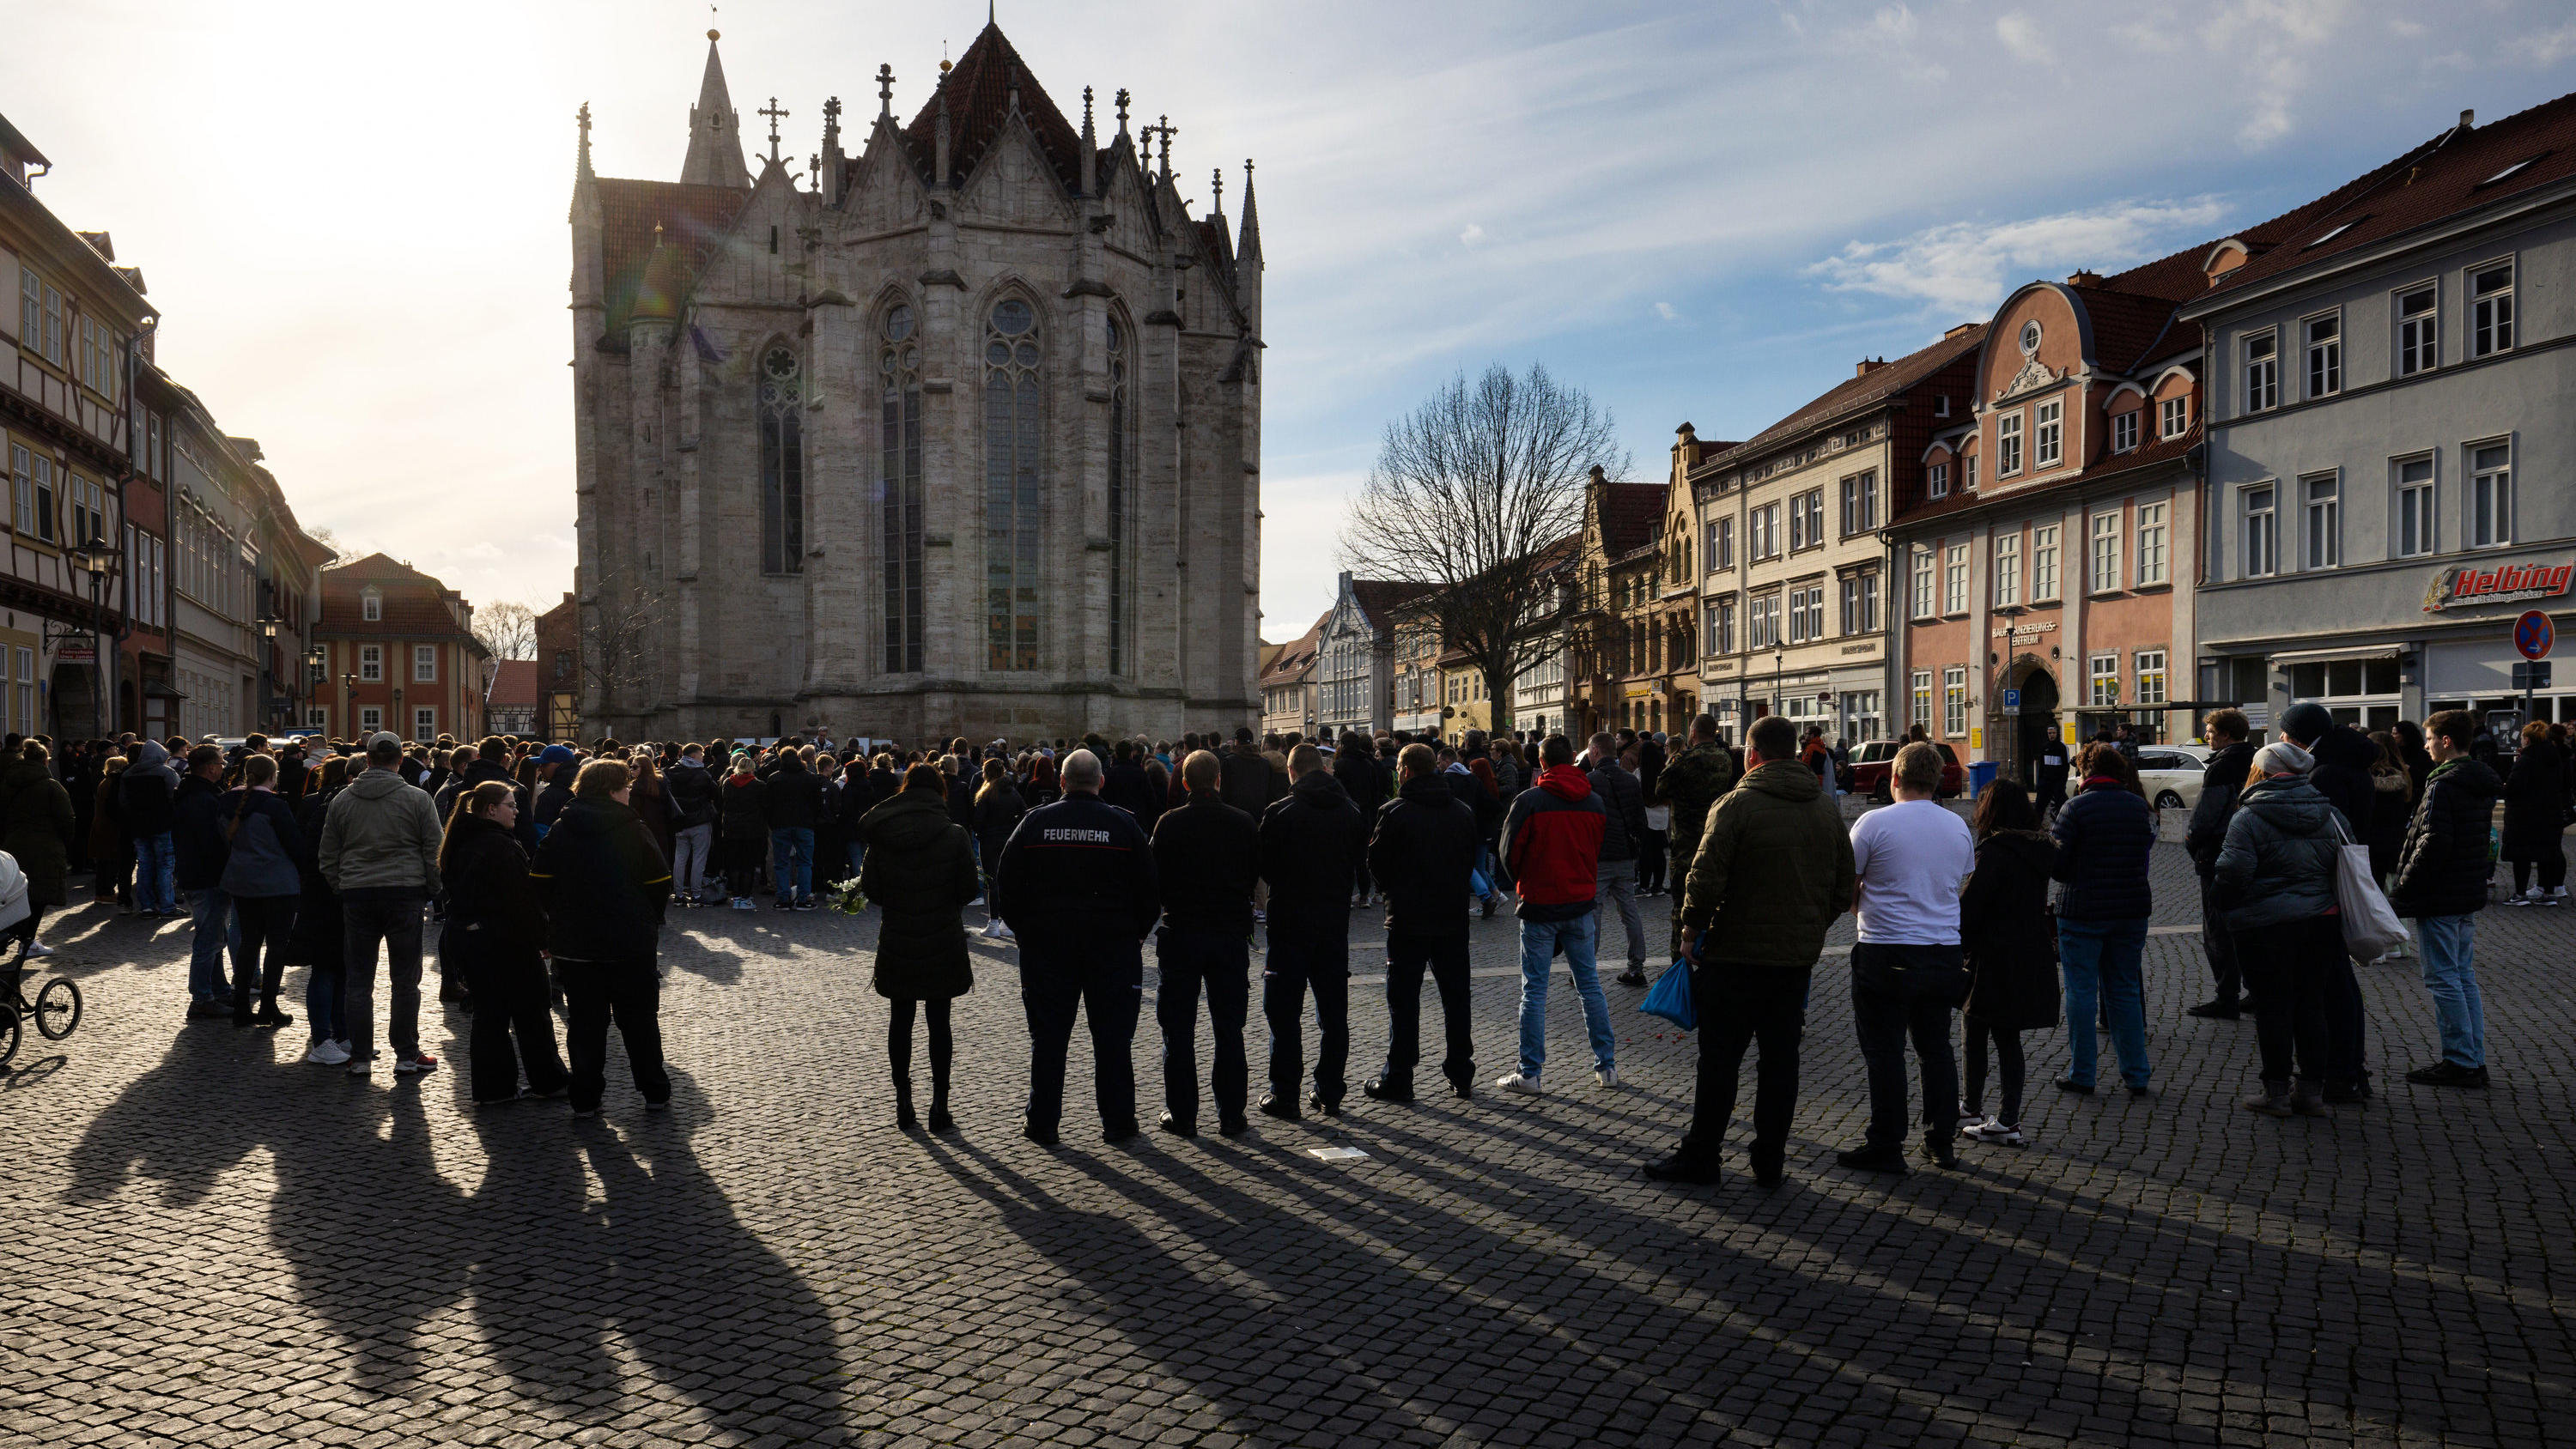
{"type": "Point", "coordinates": [960, 434]}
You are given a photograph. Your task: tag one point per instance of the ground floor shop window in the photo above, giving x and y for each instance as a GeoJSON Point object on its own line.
{"type": "Point", "coordinates": [2358, 692]}
{"type": "Point", "coordinates": [1861, 720]}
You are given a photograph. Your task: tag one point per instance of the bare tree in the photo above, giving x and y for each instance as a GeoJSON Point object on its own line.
{"type": "Point", "coordinates": [619, 634]}
{"type": "Point", "coordinates": [1468, 492]}
{"type": "Point", "coordinates": [508, 629]}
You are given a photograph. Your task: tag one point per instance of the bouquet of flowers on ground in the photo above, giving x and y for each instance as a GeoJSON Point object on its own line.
{"type": "Point", "coordinates": [845, 896]}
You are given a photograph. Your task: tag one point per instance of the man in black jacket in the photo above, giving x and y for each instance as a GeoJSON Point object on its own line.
{"type": "Point", "coordinates": [605, 885]}
{"type": "Point", "coordinates": [1207, 855]}
{"type": "Point", "coordinates": [1355, 765]}
{"type": "Point", "coordinates": [2442, 873]}
{"type": "Point", "coordinates": [1311, 844]}
{"type": "Point", "coordinates": [2221, 781]}
{"type": "Point", "coordinates": [795, 808]}
{"type": "Point", "coordinates": [2344, 756]}
{"type": "Point", "coordinates": [691, 788]}
{"type": "Point", "coordinates": [1624, 799]}
{"type": "Point", "coordinates": [1077, 886]}
{"type": "Point", "coordinates": [1246, 776]}
{"type": "Point", "coordinates": [197, 842]}
{"type": "Point", "coordinates": [1422, 851]}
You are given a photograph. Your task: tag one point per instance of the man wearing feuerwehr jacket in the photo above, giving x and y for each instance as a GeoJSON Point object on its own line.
{"type": "Point", "coordinates": [1077, 887]}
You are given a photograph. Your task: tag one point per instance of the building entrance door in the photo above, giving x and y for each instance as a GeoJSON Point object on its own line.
{"type": "Point", "coordinates": [2034, 722]}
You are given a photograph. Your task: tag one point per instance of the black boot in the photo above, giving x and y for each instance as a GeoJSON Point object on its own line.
{"type": "Point", "coordinates": [903, 1117]}
{"type": "Point", "coordinates": [940, 1121]}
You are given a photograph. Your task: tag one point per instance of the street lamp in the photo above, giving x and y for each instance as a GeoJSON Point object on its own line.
{"type": "Point", "coordinates": [316, 662]}
{"type": "Point", "coordinates": [94, 558]}
{"type": "Point", "coordinates": [268, 667]}
{"type": "Point", "coordinates": [348, 703]}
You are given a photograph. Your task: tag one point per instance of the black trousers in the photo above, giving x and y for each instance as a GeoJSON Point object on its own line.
{"type": "Point", "coordinates": [595, 993]}
{"type": "Point", "coordinates": [512, 1028]}
{"type": "Point", "coordinates": [1221, 963]}
{"type": "Point", "coordinates": [1883, 1022]}
{"type": "Point", "coordinates": [264, 921]}
{"type": "Point", "coordinates": [1739, 1006]}
{"type": "Point", "coordinates": [1650, 861]}
{"type": "Point", "coordinates": [1105, 982]}
{"type": "Point", "coordinates": [2291, 966]}
{"type": "Point", "coordinates": [1446, 956]}
{"type": "Point", "coordinates": [943, 1046]}
{"type": "Point", "coordinates": [1321, 961]}
{"type": "Point", "coordinates": [2553, 871]}
{"type": "Point", "coordinates": [2007, 1044]}
{"type": "Point", "coordinates": [2346, 1029]}
{"type": "Point", "coordinates": [2219, 943]}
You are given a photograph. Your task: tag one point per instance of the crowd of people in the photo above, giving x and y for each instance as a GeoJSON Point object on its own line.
{"type": "Point", "coordinates": [547, 870]}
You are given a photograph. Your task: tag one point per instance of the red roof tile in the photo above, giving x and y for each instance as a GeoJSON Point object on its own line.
{"type": "Point", "coordinates": [1297, 656]}
{"type": "Point", "coordinates": [515, 685]}
{"type": "Point", "coordinates": [1867, 390]}
{"type": "Point", "coordinates": [2164, 450]}
{"type": "Point", "coordinates": [1629, 515]}
{"type": "Point", "coordinates": [979, 101]}
{"type": "Point", "coordinates": [1378, 598]}
{"type": "Point", "coordinates": [416, 606]}
{"type": "Point", "coordinates": [693, 219]}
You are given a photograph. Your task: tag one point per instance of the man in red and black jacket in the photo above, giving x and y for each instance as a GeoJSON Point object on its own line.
{"type": "Point", "coordinates": [1552, 854]}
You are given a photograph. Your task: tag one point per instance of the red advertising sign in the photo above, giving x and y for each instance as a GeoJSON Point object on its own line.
{"type": "Point", "coordinates": [2503, 584]}
{"type": "Point", "coordinates": [76, 654]}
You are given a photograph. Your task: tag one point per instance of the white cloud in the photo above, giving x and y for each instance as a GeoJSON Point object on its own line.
{"type": "Point", "coordinates": [1964, 268]}
{"type": "Point", "coordinates": [1668, 312]}
{"type": "Point", "coordinates": [1472, 235]}
{"type": "Point", "coordinates": [2542, 51]}
{"type": "Point", "coordinates": [2020, 35]}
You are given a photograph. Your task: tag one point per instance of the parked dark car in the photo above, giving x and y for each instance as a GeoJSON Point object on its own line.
{"type": "Point", "coordinates": [1870, 763]}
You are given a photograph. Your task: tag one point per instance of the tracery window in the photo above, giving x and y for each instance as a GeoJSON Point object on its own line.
{"type": "Point", "coordinates": [899, 487]}
{"type": "Point", "coordinates": [782, 464]}
{"type": "Point", "coordinates": [1013, 440]}
{"type": "Point", "coordinates": [1122, 521]}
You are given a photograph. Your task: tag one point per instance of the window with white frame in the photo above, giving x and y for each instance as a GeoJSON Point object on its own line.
{"type": "Point", "coordinates": [2490, 494]}
{"type": "Point", "coordinates": [2262, 372]}
{"type": "Point", "coordinates": [2153, 535]}
{"type": "Point", "coordinates": [371, 606]}
{"type": "Point", "coordinates": [2491, 310]}
{"type": "Point", "coordinates": [424, 724]}
{"type": "Point", "coordinates": [317, 717]}
{"type": "Point", "coordinates": [424, 663]}
{"type": "Point", "coordinates": [1968, 471]}
{"type": "Point", "coordinates": [370, 719]}
{"type": "Point", "coordinates": [2321, 522]}
{"type": "Point", "coordinates": [1721, 544]}
{"type": "Point", "coordinates": [1807, 519]}
{"type": "Point", "coordinates": [371, 663]}
{"type": "Point", "coordinates": [1936, 480]}
{"type": "Point", "coordinates": [2124, 430]}
{"type": "Point", "coordinates": [2324, 338]}
{"type": "Point", "coordinates": [1807, 614]}
{"type": "Point", "coordinates": [1860, 503]}
{"type": "Point", "coordinates": [2419, 331]}
{"type": "Point", "coordinates": [1922, 692]}
{"type": "Point", "coordinates": [1762, 624]}
{"type": "Point", "coordinates": [1860, 603]}
{"type": "Point", "coordinates": [2008, 444]}
{"type": "Point", "coordinates": [25, 688]}
{"type": "Point", "coordinates": [2151, 676]}
{"type": "Point", "coordinates": [1954, 579]}
{"type": "Point", "coordinates": [2008, 568]}
{"type": "Point", "coordinates": [2173, 417]}
{"type": "Point", "coordinates": [2048, 440]}
{"type": "Point", "coordinates": [2106, 552]}
{"type": "Point", "coordinates": [1954, 701]}
{"type": "Point", "coordinates": [1762, 532]}
{"type": "Point", "coordinates": [2102, 672]}
{"type": "Point", "coordinates": [1721, 626]}
{"type": "Point", "coordinates": [41, 506]}
{"type": "Point", "coordinates": [2262, 536]}
{"type": "Point", "coordinates": [2415, 533]}
{"type": "Point", "coordinates": [1922, 582]}
{"type": "Point", "coordinates": [2043, 563]}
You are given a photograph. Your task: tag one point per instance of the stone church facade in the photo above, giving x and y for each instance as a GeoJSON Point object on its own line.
{"type": "Point", "coordinates": [958, 434]}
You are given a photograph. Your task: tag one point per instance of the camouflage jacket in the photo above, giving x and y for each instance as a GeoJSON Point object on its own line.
{"type": "Point", "coordinates": [1693, 781]}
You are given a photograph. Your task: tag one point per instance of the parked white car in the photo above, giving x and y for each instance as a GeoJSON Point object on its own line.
{"type": "Point", "coordinates": [2170, 774]}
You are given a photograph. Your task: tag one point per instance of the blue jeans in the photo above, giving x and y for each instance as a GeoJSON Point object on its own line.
{"type": "Point", "coordinates": [2105, 964]}
{"type": "Point", "coordinates": [1539, 942]}
{"type": "Point", "coordinates": [156, 863]}
{"type": "Point", "coordinates": [2448, 974]}
{"type": "Point", "coordinates": [792, 863]}
{"type": "Point", "coordinates": [322, 1004]}
{"type": "Point", "coordinates": [212, 913]}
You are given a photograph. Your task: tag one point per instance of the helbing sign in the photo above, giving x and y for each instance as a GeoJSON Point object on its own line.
{"type": "Point", "coordinates": [2505, 584]}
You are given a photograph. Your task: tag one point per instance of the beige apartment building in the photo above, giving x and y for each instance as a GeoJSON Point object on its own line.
{"type": "Point", "coordinates": [1794, 582]}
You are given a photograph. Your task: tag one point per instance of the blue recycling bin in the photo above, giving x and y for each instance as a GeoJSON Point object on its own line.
{"type": "Point", "coordinates": [1980, 775]}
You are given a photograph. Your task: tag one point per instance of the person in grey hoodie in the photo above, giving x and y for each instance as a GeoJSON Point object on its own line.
{"type": "Point", "coordinates": [380, 854]}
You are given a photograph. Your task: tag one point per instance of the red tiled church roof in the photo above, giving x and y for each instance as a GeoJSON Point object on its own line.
{"type": "Point", "coordinates": [694, 220]}
{"type": "Point", "coordinates": [979, 101]}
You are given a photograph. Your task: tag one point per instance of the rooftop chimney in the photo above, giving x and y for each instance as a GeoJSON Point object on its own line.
{"type": "Point", "coordinates": [1869, 365]}
{"type": "Point", "coordinates": [2084, 277]}
{"type": "Point", "coordinates": [1959, 331]}
{"type": "Point", "coordinates": [2468, 120]}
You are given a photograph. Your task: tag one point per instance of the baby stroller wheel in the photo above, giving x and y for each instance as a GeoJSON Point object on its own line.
{"type": "Point", "coordinates": [58, 1008]}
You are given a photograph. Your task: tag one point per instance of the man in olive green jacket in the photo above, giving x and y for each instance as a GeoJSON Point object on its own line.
{"type": "Point", "coordinates": [1692, 782]}
{"type": "Point", "coordinates": [1773, 869]}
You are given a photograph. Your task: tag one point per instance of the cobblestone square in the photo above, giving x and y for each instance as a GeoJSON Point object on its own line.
{"type": "Point", "coordinates": [216, 1245]}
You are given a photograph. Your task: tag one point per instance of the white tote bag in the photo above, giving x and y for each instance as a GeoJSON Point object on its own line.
{"type": "Point", "coordinates": [2370, 925]}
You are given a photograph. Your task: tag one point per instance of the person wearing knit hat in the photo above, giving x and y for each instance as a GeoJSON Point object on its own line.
{"type": "Point", "coordinates": [2275, 879]}
{"type": "Point", "coordinates": [2283, 758]}
{"type": "Point", "coordinates": [2341, 772]}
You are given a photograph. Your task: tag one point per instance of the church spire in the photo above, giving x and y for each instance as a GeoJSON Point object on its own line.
{"type": "Point", "coordinates": [1248, 250]}
{"type": "Point", "coordinates": [715, 140]}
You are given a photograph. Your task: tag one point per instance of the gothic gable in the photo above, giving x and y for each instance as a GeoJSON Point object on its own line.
{"type": "Point", "coordinates": [885, 190]}
{"type": "Point", "coordinates": [750, 261]}
{"type": "Point", "coordinates": [1015, 183]}
{"type": "Point", "coordinates": [1131, 209]}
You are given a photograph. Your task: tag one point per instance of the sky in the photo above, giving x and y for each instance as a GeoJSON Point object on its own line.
{"type": "Point", "coordinates": [353, 217]}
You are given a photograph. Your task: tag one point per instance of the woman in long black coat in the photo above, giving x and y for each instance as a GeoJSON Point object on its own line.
{"type": "Point", "coordinates": [998, 808]}
{"type": "Point", "coordinates": [500, 932]}
{"type": "Point", "coordinates": [315, 941]}
{"type": "Point", "coordinates": [921, 871]}
{"type": "Point", "coordinates": [2535, 819]}
{"type": "Point", "coordinates": [2011, 950]}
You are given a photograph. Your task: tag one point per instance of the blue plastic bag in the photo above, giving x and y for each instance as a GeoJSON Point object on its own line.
{"type": "Point", "coordinates": [1670, 998]}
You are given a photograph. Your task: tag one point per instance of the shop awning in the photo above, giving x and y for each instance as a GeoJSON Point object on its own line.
{"type": "Point", "coordinates": [2329, 656]}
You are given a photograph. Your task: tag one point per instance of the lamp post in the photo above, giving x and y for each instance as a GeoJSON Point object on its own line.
{"type": "Point", "coordinates": [94, 558]}
{"type": "Point", "coordinates": [316, 661]}
{"type": "Point", "coordinates": [348, 705]}
{"type": "Point", "coordinates": [268, 663]}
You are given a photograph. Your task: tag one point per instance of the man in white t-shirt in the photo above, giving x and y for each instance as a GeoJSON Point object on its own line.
{"type": "Point", "coordinates": [1911, 860]}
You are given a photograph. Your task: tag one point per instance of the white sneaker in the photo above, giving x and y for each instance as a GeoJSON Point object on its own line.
{"type": "Point", "coordinates": [992, 930]}
{"type": "Point", "coordinates": [39, 948]}
{"type": "Point", "coordinates": [1002, 932]}
{"type": "Point", "coordinates": [1606, 1077]}
{"type": "Point", "coordinates": [1996, 1132]}
{"type": "Point", "coordinates": [1526, 1086]}
{"type": "Point", "coordinates": [1971, 1121]}
{"type": "Point", "coordinates": [327, 1054]}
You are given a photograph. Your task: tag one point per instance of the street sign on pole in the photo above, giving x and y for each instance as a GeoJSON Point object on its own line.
{"type": "Point", "coordinates": [2531, 674]}
{"type": "Point", "coordinates": [2533, 634]}
{"type": "Point", "coordinates": [2012, 701]}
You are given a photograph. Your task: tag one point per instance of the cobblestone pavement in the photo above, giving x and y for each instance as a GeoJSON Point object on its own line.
{"type": "Point", "coordinates": [215, 1245]}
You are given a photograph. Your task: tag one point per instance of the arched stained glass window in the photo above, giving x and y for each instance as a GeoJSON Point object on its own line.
{"type": "Point", "coordinates": [1122, 561]}
{"type": "Point", "coordinates": [1013, 457]}
{"type": "Point", "coordinates": [899, 486]}
{"type": "Point", "coordinates": [782, 464]}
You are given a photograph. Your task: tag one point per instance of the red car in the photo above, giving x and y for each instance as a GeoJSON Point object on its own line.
{"type": "Point", "coordinates": [1870, 763]}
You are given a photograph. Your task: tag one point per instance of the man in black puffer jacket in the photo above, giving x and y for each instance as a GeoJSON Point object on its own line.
{"type": "Point", "coordinates": [1422, 852]}
{"type": "Point", "coordinates": [2442, 873]}
{"type": "Point", "coordinates": [605, 885]}
{"type": "Point", "coordinates": [1355, 765]}
{"type": "Point", "coordinates": [2344, 756]}
{"type": "Point", "coordinates": [1208, 854]}
{"type": "Point", "coordinates": [794, 807]}
{"type": "Point", "coordinates": [1311, 845]}
{"type": "Point", "coordinates": [2221, 781]}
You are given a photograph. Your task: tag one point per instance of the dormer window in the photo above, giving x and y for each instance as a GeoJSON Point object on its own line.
{"type": "Point", "coordinates": [371, 607]}
{"type": "Point", "coordinates": [2331, 233]}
